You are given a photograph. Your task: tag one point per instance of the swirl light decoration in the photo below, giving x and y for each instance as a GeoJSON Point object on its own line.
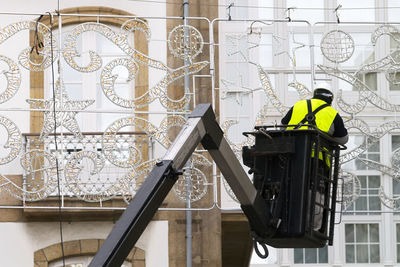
{"type": "Point", "coordinates": [25, 56]}
{"type": "Point", "coordinates": [363, 127]}
{"type": "Point", "coordinates": [108, 81]}
{"type": "Point", "coordinates": [14, 140]}
{"type": "Point", "coordinates": [236, 147]}
{"type": "Point", "coordinates": [262, 116]}
{"type": "Point", "coordinates": [351, 188]}
{"type": "Point", "coordinates": [13, 77]}
{"type": "Point", "coordinates": [132, 180]}
{"type": "Point", "coordinates": [366, 94]}
{"type": "Point", "coordinates": [385, 29]}
{"type": "Point", "coordinates": [390, 202]}
{"type": "Point", "coordinates": [395, 160]}
{"type": "Point", "coordinates": [269, 91]}
{"type": "Point", "coordinates": [83, 171]}
{"type": "Point", "coordinates": [65, 113]}
{"type": "Point", "coordinates": [229, 190]}
{"type": "Point", "coordinates": [373, 137]}
{"type": "Point", "coordinates": [390, 60]}
{"type": "Point", "coordinates": [390, 63]}
{"type": "Point", "coordinates": [301, 89]}
{"type": "Point", "coordinates": [86, 186]}
{"type": "Point", "coordinates": [120, 39]}
{"type": "Point", "coordinates": [41, 172]}
{"type": "Point", "coordinates": [111, 149]}
{"type": "Point", "coordinates": [133, 161]}
{"type": "Point", "coordinates": [137, 24]}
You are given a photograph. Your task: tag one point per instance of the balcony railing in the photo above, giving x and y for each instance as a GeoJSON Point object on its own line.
{"type": "Point", "coordinates": [93, 168]}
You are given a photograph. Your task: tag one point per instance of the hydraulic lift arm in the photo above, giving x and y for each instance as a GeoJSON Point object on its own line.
{"type": "Point", "coordinates": [201, 126]}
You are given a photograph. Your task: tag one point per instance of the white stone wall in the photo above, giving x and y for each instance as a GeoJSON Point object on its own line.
{"type": "Point", "coordinates": [19, 241]}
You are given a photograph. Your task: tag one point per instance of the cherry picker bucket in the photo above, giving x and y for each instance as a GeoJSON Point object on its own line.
{"type": "Point", "coordinates": [296, 173]}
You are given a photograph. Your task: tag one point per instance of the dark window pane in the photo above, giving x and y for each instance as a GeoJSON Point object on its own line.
{"type": "Point", "coordinates": [373, 147]}
{"type": "Point", "coordinates": [362, 253]}
{"type": "Point", "coordinates": [361, 233]}
{"type": "Point", "coordinates": [360, 165]}
{"type": "Point", "coordinates": [350, 254]}
{"type": "Point", "coordinates": [310, 255]}
{"type": "Point", "coordinates": [374, 157]}
{"type": "Point", "coordinates": [398, 233]}
{"type": "Point", "coordinates": [350, 207]}
{"type": "Point", "coordinates": [361, 203]}
{"type": "Point", "coordinates": [374, 233]}
{"type": "Point", "coordinates": [374, 253]}
{"type": "Point", "coordinates": [349, 231]}
{"type": "Point", "coordinates": [393, 86]}
{"type": "Point", "coordinates": [371, 80]}
{"type": "Point", "coordinates": [395, 142]}
{"type": "Point", "coordinates": [323, 255]}
{"type": "Point", "coordinates": [298, 255]}
{"type": "Point", "coordinates": [373, 191]}
{"type": "Point", "coordinates": [374, 203]}
{"type": "Point", "coordinates": [396, 187]}
{"type": "Point", "coordinates": [363, 191]}
{"type": "Point", "coordinates": [363, 181]}
{"type": "Point", "coordinates": [374, 181]}
{"type": "Point", "coordinates": [398, 253]}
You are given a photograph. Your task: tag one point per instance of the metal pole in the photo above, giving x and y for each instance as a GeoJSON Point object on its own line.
{"type": "Point", "coordinates": [188, 181]}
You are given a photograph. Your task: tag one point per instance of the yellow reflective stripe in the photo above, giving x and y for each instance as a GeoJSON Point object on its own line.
{"type": "Point", "coordinates": [321, 156]}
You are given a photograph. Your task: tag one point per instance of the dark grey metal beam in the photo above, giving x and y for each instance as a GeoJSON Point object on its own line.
{"type": "Point", "coordinates": [200, 127]}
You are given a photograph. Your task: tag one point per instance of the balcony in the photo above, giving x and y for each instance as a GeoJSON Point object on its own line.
{"type": "Point", "coordinates": [90, 178]}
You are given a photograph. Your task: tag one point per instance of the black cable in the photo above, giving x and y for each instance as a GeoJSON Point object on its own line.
{"type": "Point", "coordinates": [264, 246]}
{"type": "Point", "coordinates": [183, 9]}
{"type": "Point", "coordinates": [55, 140]}
{"type": "Point", "coordinates": [36, 41]}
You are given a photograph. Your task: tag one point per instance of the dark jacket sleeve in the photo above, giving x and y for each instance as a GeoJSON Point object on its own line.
{"type": "Point", "coordinates": [340, 129]}
{"type": "Point", "coordinates": [288, 116]}
{"type": "Point", "coordinates": [340, 133]}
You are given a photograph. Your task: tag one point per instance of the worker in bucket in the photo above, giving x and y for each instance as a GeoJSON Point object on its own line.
{"type": "Point", "coordinates": [319, 112]}
{"type": "Point", "coordinates": [325, 117]}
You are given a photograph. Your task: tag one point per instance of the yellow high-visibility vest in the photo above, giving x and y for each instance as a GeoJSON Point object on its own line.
{"type": "Point", "coordinates": [323, 120]}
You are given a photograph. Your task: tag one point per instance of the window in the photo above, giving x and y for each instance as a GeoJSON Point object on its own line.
{"type": "Point", "coordinates": [372, 153]}
{"type": "Point", "coordinates": [370, 79]}
{"type": "Point", "coordinates": [369, 196]}
{"type": "Point", "coordinates": [265, 50]}
{"type": "Point", "coordinates": [363, 50]}
{"type": "Point", "coordinates": [393, 10]}
{"type": "Point", "coordinates": [266, 10]}
{"type": "Point", "coordinates": [398, 241]}
{"type": "Point", "coordinates": [395, 147]}
{"type": "Point", "coordinates": [362, 243]}
{"type": "Point", "coordinates": [310, 255]}
{"type": "Point", "coordinates": [350, 10]}
{"type": "Point", "coordinates": [86, 86]}
{"type": "Point", "coordinates": [393, 78]}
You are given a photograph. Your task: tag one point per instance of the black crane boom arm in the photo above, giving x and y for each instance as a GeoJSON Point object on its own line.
{"type": "Point", "coordinates": [201, 126]}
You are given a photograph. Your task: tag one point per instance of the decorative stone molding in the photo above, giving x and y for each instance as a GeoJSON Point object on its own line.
{"type": "Point", "coordinates": [83, 247]}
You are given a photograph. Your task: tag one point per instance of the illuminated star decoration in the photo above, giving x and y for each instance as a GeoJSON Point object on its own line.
{"type": "Point", "coordinates": [66, 111]}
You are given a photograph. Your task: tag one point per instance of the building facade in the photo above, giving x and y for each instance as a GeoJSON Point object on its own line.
{"type": "Point", "coordinates": [95, 93]}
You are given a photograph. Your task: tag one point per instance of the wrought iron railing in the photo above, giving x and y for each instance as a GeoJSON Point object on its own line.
{"type": "Point", "coordinates": [92, 169]}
